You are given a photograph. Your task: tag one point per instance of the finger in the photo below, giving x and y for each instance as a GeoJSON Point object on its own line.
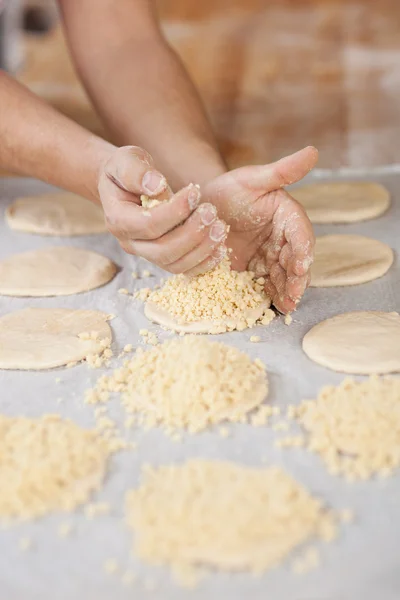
{"type": "Point", "coordinates": [300, 236]}
{"type": "Point", "coordinates": [285, 256]}
{"type": "Point", "coordinates": [285, 304]}
{"type": "Point", "coordinates": [286, 292]}
{"type": "Point", "coordinates": [189, 264]}
{"type": "Point", "coordinates": [131, 169]}
{"type": "Point", "coordinates": [291, 225]}
{"type": "Point", "coordinates": [202, 225]}
{"type": "Point", "coordinates": [277, 276]}
{"type": "Point", "coordinates": [209, 263]}
{"type": "Point", "coordinates": [295, 287]}
{"type": "Point", "coordinates": [130, 222]}
{"type": "Point", "coordinates": [285, 171]}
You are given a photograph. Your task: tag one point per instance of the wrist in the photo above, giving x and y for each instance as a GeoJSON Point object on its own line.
{"type": "Point", "coordinates": [99, 152]}
{"type": "Point", "coordinates": [200, 163]}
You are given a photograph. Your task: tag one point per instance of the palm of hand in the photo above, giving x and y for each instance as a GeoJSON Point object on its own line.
{"type": "Point", "coordinates": [270, 232]}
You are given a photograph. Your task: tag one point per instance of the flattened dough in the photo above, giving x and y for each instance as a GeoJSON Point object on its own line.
{"type": "Point", "coordinates": [61, 214]}
{"type": "Point", "coordinates": [54, 271]}
{"type": "Point", "coordinates": [349, 260]}
{"type": "Point", "coordinates": [44, 338]}
{"type": "Point", "coordinates": [163, 318]}
{"type": "Point", "coordinates": [345, 202]}
{"type": "Point", "coordinates": [362, 343]}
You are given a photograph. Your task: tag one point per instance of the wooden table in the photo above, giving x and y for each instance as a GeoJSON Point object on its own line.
{"type": "Point", "coordinates": [276, 75]}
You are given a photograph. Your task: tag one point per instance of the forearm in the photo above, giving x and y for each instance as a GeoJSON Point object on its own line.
{"type": "Point", "coordinates": [37, 141]}
{"type": "Point", "coordinates": [140, 88]}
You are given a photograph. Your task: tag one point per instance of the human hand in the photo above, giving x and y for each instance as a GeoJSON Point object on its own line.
{"type": "Point", "coordinates": [270, 232]}
{"type": "Point", "coordinates": [180, 236]}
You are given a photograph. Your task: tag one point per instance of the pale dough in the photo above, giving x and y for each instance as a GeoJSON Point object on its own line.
{"type": "Point", "coordinates": [345, 202]}
{"type": "Point", "coordinates": [163, 318]}
{"type": "Point", "coordinates": [54, 271]}
{"type": "Point", "coordinates": [349, 260]}
{"type": "Point", "coordinates": [61, 214]}
{"type": "Point", "coordinates": [362, 342]}
{"type": "Point", "coordinates": [44, 338]}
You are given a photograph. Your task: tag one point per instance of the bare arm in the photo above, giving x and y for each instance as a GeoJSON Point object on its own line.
{"type": "Point", "coordinates": [140, 87]}
{"type": "Point", "coordinates": [38, 141]}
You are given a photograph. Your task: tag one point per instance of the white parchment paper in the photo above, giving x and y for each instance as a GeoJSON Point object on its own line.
{"type": "Point", "coordinates": [363, 564]}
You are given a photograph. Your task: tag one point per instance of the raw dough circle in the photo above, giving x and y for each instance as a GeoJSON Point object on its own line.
{"type": "Point", "coordinates": [44, 338]}
{"type": "Point", "coordinates": [163, 318]}
{"type": "Point", "coordinates": [362, 342]}
{"type": "Point", "coordinates": [61, 214]}
{"type": "Point", "coordinates": [349, 260]}
{"type": "Point", "coordinates": [55, 271]}
{"type": "Point", "coordinates": [346, 202]}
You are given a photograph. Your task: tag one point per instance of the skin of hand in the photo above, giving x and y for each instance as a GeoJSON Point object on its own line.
{"type": "Point", "coordinates": [270, 232]}
{"type": "Point", "coordinates": [181, 234]}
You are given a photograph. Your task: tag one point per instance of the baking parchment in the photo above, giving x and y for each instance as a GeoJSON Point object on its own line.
{"type": "Point", "coordinates": [362, 564]}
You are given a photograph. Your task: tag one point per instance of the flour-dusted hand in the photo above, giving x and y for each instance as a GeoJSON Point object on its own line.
{"type": "Point", "coordinates": [270, 232]}
{"type": "Point", "coordinates": [180, 235]}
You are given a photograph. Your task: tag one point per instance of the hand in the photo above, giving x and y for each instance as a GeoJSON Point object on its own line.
{"type": "Point", "coordinates": [270, 232]}
{"type": "Point", "coordinates": [181, 235]}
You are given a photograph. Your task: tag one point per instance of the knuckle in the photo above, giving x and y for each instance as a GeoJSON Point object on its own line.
{"type": "Point", "coordinates": [172, 268]}
{"type": "Point", "coordinates": [151, 231]}
{"type": "Point", "coordinates": [138, 152]}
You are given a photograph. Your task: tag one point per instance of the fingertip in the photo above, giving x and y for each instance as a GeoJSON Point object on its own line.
{"type": "Point", "coordinates": [194, 196]}
{"type": "Point", "coordinates": [153, 183]}
{"type": "Point", "coordinates": [313, 156]}
{"type": "Point", "coordinates": [207, 213]}
{"type": "Point", "coordinates": [302, 266]}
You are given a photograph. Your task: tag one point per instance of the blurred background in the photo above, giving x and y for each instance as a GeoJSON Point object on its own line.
{"type": "Point", "coordinates": [275, 75]}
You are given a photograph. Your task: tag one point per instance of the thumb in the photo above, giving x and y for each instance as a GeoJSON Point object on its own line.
{"type": "Point", "coordinates": [284, 172]}
{"type": "Point", "coordinates": [131, 169]}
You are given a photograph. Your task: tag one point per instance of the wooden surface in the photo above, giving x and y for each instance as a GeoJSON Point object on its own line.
{"type": "Point", "coordinates": [276, 75]}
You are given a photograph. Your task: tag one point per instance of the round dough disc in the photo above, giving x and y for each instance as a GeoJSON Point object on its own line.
{"type": "Point", "coordinates": [55, 271]}
{"type": "Point", "coordinates": [349, 260]}
{"type": "Point", "coordinates": [362, 343]}
{"type": "Point", "coordinates": [61, 214]}
{"type": "Point", "coordinates": [44, 338]}
{"type": "Point", "coordinates": [161, 317]}
{"type": "Point", "coordinates": [345, 202]}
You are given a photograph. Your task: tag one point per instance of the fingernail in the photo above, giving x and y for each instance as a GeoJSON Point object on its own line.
{"type": "Point", "coordinates": [153, 182]}
{"type": "Point", "coordinates": [218, 231]}
{"type": "Point", "coordinates": [194, 198]}
{"type": "Point", "coordinates": [208, 213]}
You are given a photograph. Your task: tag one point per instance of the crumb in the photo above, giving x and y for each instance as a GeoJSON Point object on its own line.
{"type": "Point", "coordinates": [280, 426]}
{"type": "Point", "coordinates": [111, 566]}
{"type": "Point", "coordinates": [96, 509]}
{"type": "Point", "coordinates": [64, 530]}
{"type": "Point", "coordinates": [25, 544]}
{"type": "Point", "coordinates": [346, 515]}
{"type": "Point", "coordinates": [128, 578]}
{"type": "Point", "coordinates": [224, 432]}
